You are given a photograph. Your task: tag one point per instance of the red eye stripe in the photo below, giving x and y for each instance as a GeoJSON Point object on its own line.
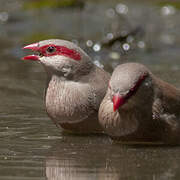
{"type": "Point", "coordinates": [60, 50]}
{"type": "Point", "coordinates": [138, 83]}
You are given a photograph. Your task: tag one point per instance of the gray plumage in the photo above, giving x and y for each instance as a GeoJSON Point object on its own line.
{"type": "Point", "coordinates": [74, 89]}
{"type": "Point", "coordinates": [150, 114]}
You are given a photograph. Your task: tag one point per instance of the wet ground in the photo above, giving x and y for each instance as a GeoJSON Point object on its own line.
{"type": "Point", "coordinates": [31, 147]}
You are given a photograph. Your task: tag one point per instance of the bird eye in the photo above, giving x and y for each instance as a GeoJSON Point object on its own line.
{"type": "Point", "coordinates": [51, 49]}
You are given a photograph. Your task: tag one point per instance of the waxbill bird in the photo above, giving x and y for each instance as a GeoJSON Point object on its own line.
{"type": "Point", "coordinates": [75, 86]}
{"type": "Point", "coordinates": [140, 108]}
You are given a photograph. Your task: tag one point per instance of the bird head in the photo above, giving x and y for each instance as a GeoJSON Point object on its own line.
{"type": "Point", "coordinates": [61, 57]}
{"type": "Point", "coordinates": [129, 84]}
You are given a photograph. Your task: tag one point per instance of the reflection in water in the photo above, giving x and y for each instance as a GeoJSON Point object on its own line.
{"type": "Point", "coordinates": [102, 160]}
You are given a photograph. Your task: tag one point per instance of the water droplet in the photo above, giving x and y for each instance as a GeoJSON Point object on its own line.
{"type": "Point", "coordinates": [97, 63]}
{"type": "Point", "coordinates": [4, 16]}
{"type": "Point", "coordinates": [110, 13]}
{"type": "Point", "coordinates": [124, 32]}
{"type": "Point", "coordinates": [130, 39]}
{"type": "Point", "coordinates": [168, 10]}
{"type": "Point", "coordinates": [114, 55]}
{"type": "Point", "coordinates": [89, 43]}
{"type": "Point", "coordinates": [141, 44]}
{"type": "Point", "coordinates": [126, 46]}
{"type": "Point", "coordinates": [121, 8]}
{"type": "Point", "coordinates": [97, 47]}
{"type": "Point", "coordinates": [109, 36]}
{"type": "Point", "coordinates": [75, 41]}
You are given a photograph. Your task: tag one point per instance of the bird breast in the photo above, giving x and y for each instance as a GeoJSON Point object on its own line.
{"type": "Point", "coordinates": [68, 101]}
{"type": "Point", "coordinates": [116, 123]}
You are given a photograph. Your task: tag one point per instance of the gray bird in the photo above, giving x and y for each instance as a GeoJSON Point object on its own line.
{"type": "Point", "coordinates": [75, 86]}
{"type": "Point", "coordinates": [140, 108]}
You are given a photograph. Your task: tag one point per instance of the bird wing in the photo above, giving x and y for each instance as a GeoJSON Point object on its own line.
{"type": "Point", "coordinates": [157, 109]}
{"type": "Point", "coordinates": [168, 121]}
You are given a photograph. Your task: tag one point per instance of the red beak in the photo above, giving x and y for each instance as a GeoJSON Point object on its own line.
{"type": "Point", "coordinates": [33, 47]}
{"type": "Point", "coordinates": [117, 101]}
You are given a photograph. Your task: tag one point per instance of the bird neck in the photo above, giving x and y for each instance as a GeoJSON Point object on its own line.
{"type": "Point", "coordinates": [74, 73]}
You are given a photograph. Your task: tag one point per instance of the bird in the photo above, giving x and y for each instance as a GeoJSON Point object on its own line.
{"type": "Point", "coordinates": [140, 108]}
{"type": "Point", "coordinates": [75, 85]}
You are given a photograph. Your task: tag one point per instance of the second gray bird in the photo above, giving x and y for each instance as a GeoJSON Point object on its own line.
{"type": "Point", "coordinates": [140, 108]}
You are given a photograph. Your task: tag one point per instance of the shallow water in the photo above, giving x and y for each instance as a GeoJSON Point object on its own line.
{"type": "Point", "coordinates": [31, 147]}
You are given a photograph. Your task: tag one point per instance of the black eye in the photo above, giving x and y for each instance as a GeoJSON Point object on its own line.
{"type": "Point", "coordinates": [51, 49]}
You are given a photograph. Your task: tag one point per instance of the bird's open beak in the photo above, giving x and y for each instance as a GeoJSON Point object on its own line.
{"type": "Point", "coordinates": [118, 101]}
{"type": "Point", "coordinates": [33, 47]}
